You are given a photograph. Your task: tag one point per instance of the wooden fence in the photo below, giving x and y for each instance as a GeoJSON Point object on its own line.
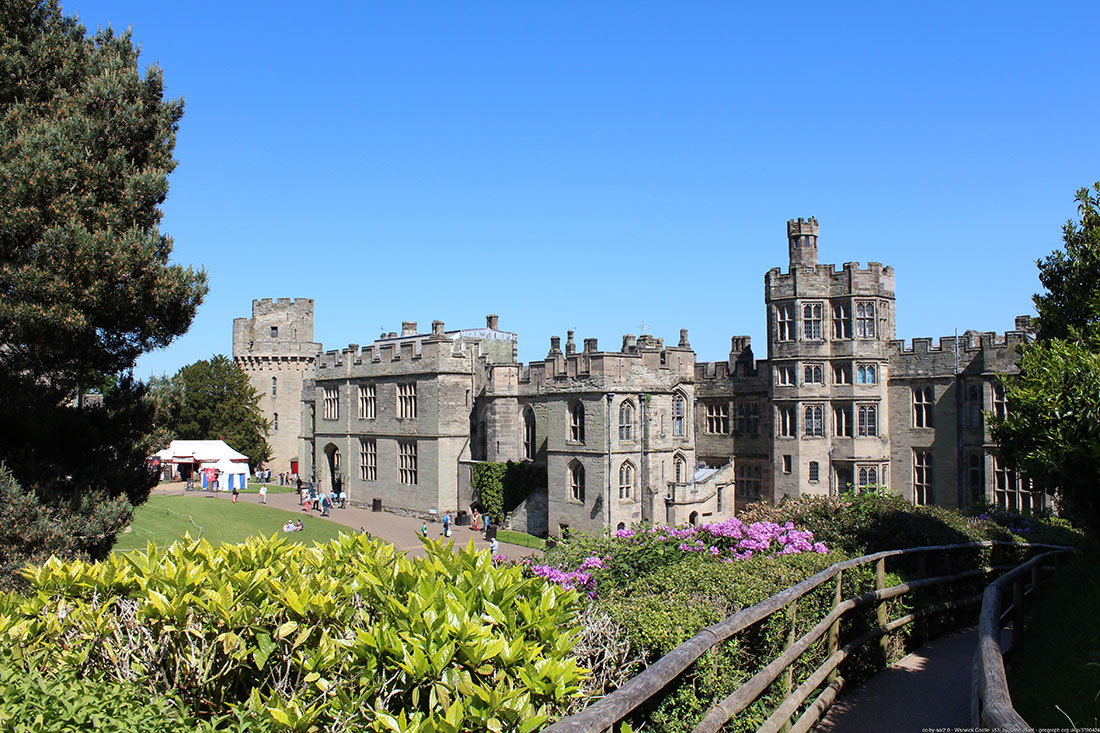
{"type": "Point", "coordinates": [621, 703]}
{"type": "Point", "coordinates": [991, 706]}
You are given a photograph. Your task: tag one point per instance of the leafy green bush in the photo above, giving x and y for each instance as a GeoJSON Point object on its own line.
{"type": "Point", "coordinates": [868, 522]}
{"type": "Point", "coordinates": [35, 697]}
{"type": "Point", "coordinates": [345, 636]}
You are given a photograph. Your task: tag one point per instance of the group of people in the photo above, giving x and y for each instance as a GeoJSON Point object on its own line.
{"type": "Point", "coordinates": [293, 525]}
{"type": "Point", "coordinates": [324, 501]}
{"type": "Point", "coordinates": [263, 475]}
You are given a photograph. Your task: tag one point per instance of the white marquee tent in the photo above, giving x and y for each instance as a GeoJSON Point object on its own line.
{"type": "Point", "coordinates": [210, 460]}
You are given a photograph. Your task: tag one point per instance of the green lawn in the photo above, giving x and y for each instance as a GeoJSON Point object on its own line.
{"type": "Point", "coordinates": [521, 538]}
{"type": "Point", "coordinates": [165, 519]}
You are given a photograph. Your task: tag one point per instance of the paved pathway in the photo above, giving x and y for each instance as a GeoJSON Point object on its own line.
{"type": "Point", "coordinates": [401, 532]}
{"type": "Point", "coordinates": [926, 690]}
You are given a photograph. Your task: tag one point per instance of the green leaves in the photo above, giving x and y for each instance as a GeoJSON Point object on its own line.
{"type": "Point", "coordinates": [298, 638]}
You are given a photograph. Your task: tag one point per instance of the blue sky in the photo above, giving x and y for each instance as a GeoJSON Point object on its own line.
{"type": "Point", "coordinates": [604, 165]}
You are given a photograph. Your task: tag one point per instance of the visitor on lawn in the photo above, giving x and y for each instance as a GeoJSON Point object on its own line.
{"type": "Point", "coordinates": [263, 494]}
{"type": "Point", "coordinates": [236, 494]}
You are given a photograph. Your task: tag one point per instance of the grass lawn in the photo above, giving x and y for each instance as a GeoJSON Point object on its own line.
{"type": "Point", "coordinates": [165, 519]}
{"type": "Point", "coordinates": [1055, 674]}
{"type": "Point", "coordinates": [520, 538]}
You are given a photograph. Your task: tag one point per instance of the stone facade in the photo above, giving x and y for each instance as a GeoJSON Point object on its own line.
{"type": "Point", "coordinates": [644, 433]}
{"type": "Point", "coordinates": [275, 348]}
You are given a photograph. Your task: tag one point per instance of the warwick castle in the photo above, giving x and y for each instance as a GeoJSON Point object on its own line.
{"type": "Point", "coordinates": [645, 432]}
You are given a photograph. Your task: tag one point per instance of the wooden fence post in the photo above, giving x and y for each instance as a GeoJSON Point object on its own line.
{"type": "Point", "coordinates": [834, 630]}
{"type": "Point", "coordinates": [788, 675]}
{"type": "Point", "coordinates": [880, 608]}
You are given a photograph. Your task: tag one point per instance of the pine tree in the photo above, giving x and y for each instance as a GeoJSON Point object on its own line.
{"type": "Point", "coordinates": [85, 282]}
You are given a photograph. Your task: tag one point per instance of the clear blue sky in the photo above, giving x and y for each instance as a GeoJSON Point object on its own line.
{"type": "Point", "coordinates": [605, 165]}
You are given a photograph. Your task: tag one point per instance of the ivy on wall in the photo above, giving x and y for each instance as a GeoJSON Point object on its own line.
{"type": "Point", "coordinates": [501, 487]}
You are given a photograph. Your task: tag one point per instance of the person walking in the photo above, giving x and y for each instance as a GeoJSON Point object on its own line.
{"type": "Point", "coordinates": [236, 494]}
{"type": "Point", "coordinates": [424, 529]}
{"type": "Point", "coordinates": [475, 523]}
{"type": "Point", "coordinates": [447, 525]}
{"type": "Point", "coordinates": [343, 498]}
{"type": "Point", "coordinates": [263, 494]}
{"type": "Point", "coordinates": [326, 502]}
{"type": "Point", "coordinates": [494, 547]}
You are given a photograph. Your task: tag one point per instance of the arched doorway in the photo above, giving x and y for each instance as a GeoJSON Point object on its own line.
{"type": "Point", "coordinates": [331, 477]}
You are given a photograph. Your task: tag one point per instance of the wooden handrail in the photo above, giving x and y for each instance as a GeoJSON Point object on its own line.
{"type": "Point", "coordinates": [608, 711]}
{"type": "Point", "coordinates": [992, 704]}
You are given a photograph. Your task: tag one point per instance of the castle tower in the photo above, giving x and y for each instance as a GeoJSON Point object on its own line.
{"type": "Point", "coordinates": [828, 333]}
{"type": "Point", "coordinates": [275, 348]}
{"type": "Point", "coordinates": [802, 242]}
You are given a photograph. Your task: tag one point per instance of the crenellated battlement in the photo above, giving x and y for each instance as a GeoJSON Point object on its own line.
{"type": "Point", "coordinates": [970, 341]}
{"type": "Point", "coordinates": [641, 358]}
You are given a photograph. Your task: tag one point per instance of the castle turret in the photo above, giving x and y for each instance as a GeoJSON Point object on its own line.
{"type": "Point", "coordinates": [802, 240]}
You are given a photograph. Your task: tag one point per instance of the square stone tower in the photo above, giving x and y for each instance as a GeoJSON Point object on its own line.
{"type": "Point", "coordinates": [828, 337]}
{"type": "Point", "coordinates": [275, 348]}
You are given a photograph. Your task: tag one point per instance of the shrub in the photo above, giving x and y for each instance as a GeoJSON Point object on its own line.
{"type": "Point", "coordinates": [586, 561]}
{"type": "Point", "coordinates": [868, 522]}
{"type": "Point", "coordinates": [37, 698]}
{"type": "Point", "coordinates": [348, 635]}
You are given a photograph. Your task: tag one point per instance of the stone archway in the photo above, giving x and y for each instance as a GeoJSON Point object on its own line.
{"type": "Point", "coordinates": [331, 473]}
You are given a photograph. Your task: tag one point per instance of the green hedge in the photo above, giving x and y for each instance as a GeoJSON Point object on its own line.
{"type": "Point", "coordinates": [351, 635]}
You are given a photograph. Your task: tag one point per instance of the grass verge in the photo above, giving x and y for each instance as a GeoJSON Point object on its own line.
{"type": "Point", "coordinates": [1055, 674]}
{"type": "Point", "coordinates": [520, 538]}
{"type": "Point", "coordinates": [165, 519]}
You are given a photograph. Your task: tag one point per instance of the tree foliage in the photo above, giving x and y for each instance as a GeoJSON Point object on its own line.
{"type": "Point", "coordinates": [1052, 430]}
{"type": "Point", "coordinates": [85, 282]}
{"type": "Point", "coordinates": [1070, 307]}
{"type": "Point", "coordinates": [211, 400]}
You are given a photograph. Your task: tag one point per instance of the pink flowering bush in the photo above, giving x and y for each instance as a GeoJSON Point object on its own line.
{"type": "Point", "coordinates": [584, 562]}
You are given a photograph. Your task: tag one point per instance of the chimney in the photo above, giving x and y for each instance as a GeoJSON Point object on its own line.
{"type": "Point", "coordinates": [492, 321]}
{"type": "Point", "coordinates": [437, 329]}
{"type": "Point", "coordinates": [570, 344]}
{"type": "Point", "coordinates": [555, 344]}
{"type": "Point", "coordinates": [629, 344]}
{"type": "Point", "coordinates": [684, 339]}
{"type": "Point", "coordinates": [590, 346]}
{"type": "Point", "coordinates": [408, 328]}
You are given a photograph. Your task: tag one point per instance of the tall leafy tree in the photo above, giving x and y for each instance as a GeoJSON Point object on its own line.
{"type": "Point", "coordinates": [86, 286]}
{"type": "Point", "coordinates": [1052, 430]}
{"type": "Point", "coordinates": [216, 401]}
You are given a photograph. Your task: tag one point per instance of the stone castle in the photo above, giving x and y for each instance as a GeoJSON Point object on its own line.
{"type": "Point", "coordinates": [645, 433]}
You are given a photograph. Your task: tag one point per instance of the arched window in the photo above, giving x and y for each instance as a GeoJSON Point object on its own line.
{"type": "Point", "coordinates": [680, 469]}
{"type": "Point", "coordinates": [814, 425]}
{"type": "Point", "coordinates": [529, 434]}
{"type": "Point", "coordinates": [576, 422]}
{"type": "Point", "coordinates": [866, 374]}
{"type": "Point", "coordinates": [576, 481]}
{"type": "Point", "coordinates": [276, 421]}
{"type": "Point", "coordinates": [626, 479]}
{"type": "Point", "coordinates": [626, 420]}
{"type": "Point", "coordinates": [621, 527]}
{"type": "Point", "coordinates": [274, 386]}
{"type": "Point", "coordinates": [868, 421]}
{"type": "Point", "coordinates": [677, 414]}
{"type": "Point", "coordinates": [694, 519]}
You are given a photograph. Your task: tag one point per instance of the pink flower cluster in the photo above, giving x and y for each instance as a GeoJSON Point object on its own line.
{"type": "Point", "coordinates": [731, 537]}
{"type": "Point", "coordinates": [729, 541]}
{"type": "Point", "coordinates": [580, 579]}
